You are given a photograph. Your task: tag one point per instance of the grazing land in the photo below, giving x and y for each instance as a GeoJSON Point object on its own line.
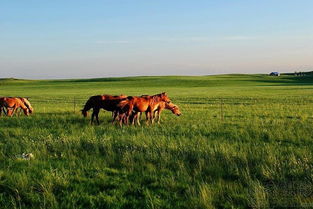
{"type": "Point", "coordinates": [243, 141]}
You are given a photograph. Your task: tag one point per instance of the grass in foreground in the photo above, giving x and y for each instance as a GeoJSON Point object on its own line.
{"type": "Point", "coordinates": [244, 141]}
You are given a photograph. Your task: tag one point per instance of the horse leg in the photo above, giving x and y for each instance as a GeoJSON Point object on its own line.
{"type": "Point", "coordinates": [121, 119]}
{"type": "Point", "coordinates": [152, 115]}
{"type": "Point", "coordinates": [137, 118]}
{"type": "Point", "coordinates": [133, 118]}
{"type": "Point", "coordinates": [127, 117]}
{"type": "Point", "coordinates": [18, 112]}
{"type": "Point", "coordinates": [147, 117]}
{"type": "Point", "coordinates": [5, 111]}
{"type": "Point", "coordinates": [92, 116]}
{"type": "Point", "coordinates": [159, 117]}
{"type": "Point", "coordinates": [140, 116]}
{"type": "Point", "coordinates": [155, 114]}
{"type": "Point", "coordinates": [128, 113]}
{"type": "Point", "coordinates": [91, 119]}
{"type": "Point", "coordinates": [11, 111]}
{"type": "Point", "coordinates": [97, 115]}
{"type": "Point", "coordinates": [114, 115]}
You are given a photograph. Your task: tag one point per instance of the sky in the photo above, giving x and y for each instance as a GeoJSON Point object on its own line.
{"type": "Point", "coordinates": [44, 39]}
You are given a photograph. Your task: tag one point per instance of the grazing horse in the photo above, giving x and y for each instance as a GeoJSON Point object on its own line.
{"type": "Point", "coordinates": [106, 102]}
{"type": "Point", "coordinates": [13, 103]}
{"type": "Point", "coordinates": [137, 105]}
{"type": "Point", "coordinates": [169, 106]}
{"type": "Point", "coordinates": [27, 104]}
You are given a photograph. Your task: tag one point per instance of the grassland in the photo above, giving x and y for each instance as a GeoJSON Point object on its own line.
{"type": "Point", "coordinates": [243, 141]}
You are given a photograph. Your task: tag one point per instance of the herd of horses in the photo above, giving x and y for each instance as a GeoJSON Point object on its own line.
{"type": "Point", "coordinates": [125, 109]}
{"type": "Point", "coordinates": [128, 109]}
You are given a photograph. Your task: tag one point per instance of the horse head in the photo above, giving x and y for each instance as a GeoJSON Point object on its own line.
{"type": "Point", "coordinates": [26, 112]}
{"type": "Point", "coordinates": [28, 105]}
{"type": "Point", "coordinates": [176, 111]}
{"type": "Point", "coordinates": [27, 109]}
{"type": "Point", "coordinates": [174, 108]}
{"type": "Point", "coordinates": [85, 113]}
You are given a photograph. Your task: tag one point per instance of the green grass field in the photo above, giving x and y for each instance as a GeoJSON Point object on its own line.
{"type": "Point", "coordinates": [243, 141]}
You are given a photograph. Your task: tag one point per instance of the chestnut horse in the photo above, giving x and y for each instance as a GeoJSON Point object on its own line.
{"type": "Point", "coordinates": [136, 105]}
{"type": "Point", "coordinates": [169, 106]}
{"type": "Point", "coordinates": [106, 102]}
{"type": "Point", "coordinates": [13, 103]}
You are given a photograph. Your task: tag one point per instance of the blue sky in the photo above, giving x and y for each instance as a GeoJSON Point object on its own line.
{"type": "Point", "coordinates": [71, 39]}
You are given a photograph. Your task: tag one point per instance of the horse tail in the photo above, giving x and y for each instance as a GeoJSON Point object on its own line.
{"type": "Point", "coordinates": [126, 106]}
{"type": "Point", "coordinates": [122, 104]}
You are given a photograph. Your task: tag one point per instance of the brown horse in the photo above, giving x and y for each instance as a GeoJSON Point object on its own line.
{"type": "Point", "coordinates": [13, 103]}
{"type": "Point", "coordinates": [106, 102]}
{"type": "Point", "coordinates": [169, 106]}
{"type": "Point", "coordinates": [136, 105]}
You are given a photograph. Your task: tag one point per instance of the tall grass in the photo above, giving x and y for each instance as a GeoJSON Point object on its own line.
{"type": "Point", "coordinates": [242, 142]}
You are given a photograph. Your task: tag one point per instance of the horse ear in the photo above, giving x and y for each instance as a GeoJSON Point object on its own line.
{"type": "Point", "coordinates": [164, 93]}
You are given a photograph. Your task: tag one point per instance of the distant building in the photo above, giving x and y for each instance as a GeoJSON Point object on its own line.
{"type": "Point", "coordinates": [274, 74]}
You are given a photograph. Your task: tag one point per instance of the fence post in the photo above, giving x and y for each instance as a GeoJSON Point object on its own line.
{"type": "Point", "coordinates": [74, 105]}
{"type": "Point", "coordinates": [222, 110]}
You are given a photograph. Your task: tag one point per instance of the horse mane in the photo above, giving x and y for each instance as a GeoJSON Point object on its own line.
{"type": "Point", "coordinates": [158, 97]}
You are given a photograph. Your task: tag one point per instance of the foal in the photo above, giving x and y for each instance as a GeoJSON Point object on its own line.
{"type": "Point", "coordinates": [169, 106]}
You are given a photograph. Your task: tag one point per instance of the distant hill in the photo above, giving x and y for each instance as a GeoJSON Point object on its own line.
{"type": "Point", "coordinates": [298, 73]}
{"type": "Point", "coordinates": [8, 79]}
